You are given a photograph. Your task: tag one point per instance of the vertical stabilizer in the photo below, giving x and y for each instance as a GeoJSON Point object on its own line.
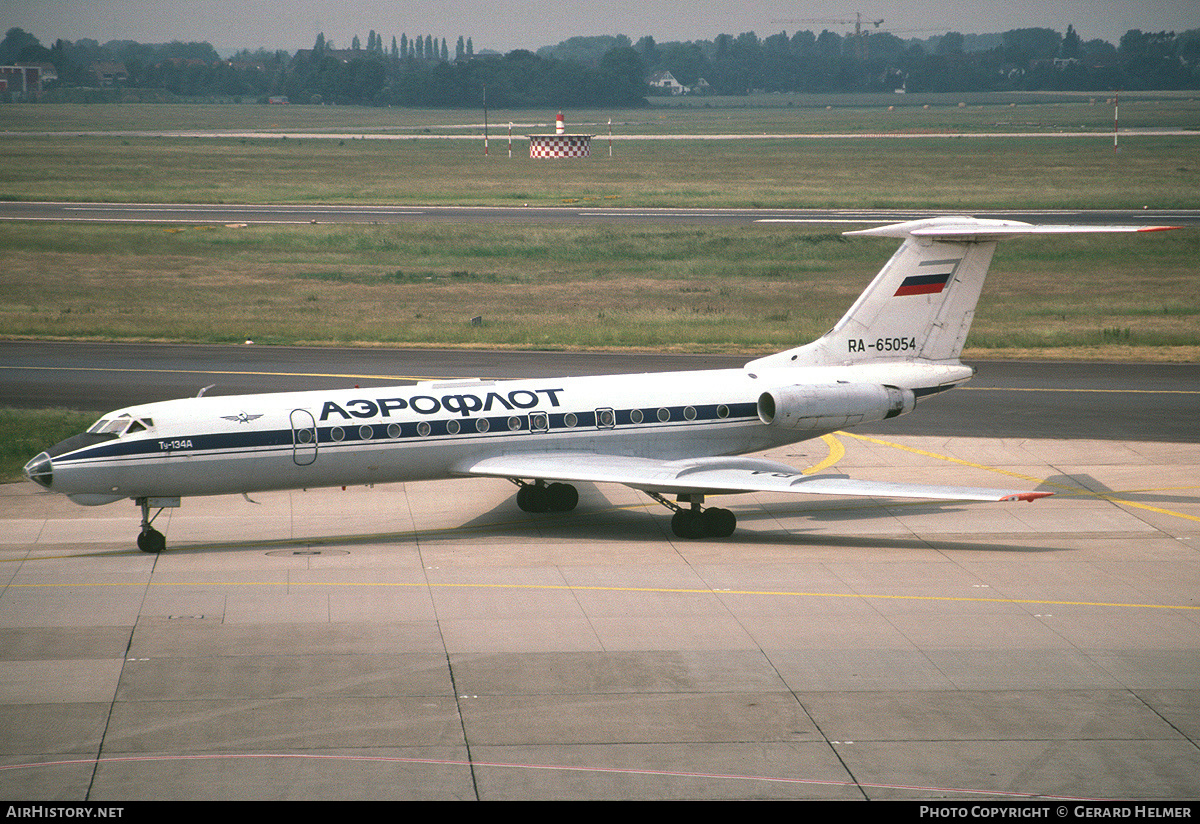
{"type": "Point", "coordinates": [921, 304]}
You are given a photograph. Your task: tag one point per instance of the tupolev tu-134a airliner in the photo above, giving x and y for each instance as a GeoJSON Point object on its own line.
{"type": "Point", "coordinates": [676, 435]}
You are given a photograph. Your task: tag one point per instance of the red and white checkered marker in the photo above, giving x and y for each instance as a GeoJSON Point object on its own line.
{"type": "Point", "coordinates": [560, 145]}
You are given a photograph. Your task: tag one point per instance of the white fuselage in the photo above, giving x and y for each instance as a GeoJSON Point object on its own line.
{"type": "Point", "coordinates": [247, 443]}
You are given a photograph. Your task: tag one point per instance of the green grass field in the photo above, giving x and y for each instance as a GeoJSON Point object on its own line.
{"type": "Point", "coordinates": [47, 158]}
{"type": "Point", "coordinates": [746, 288]}
{"type": "Point", "coordinates": [754, 114]}
{"type": "Point", "coordinates": [926, 172]}
{"type": "Point", "coordinates": [701, 288]}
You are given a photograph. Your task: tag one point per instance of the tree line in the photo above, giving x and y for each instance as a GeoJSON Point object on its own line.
{"type": "Point", "coordinates": [416, 71]}
{"type": "Point", "coordinates": [1016, 60]}
{"type": "Point", "coordinates": [424, 75]}
{"type": "Point", "coordinates": [612, 70]}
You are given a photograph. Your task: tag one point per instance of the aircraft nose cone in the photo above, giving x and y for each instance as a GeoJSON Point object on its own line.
{"type": "Point", "coordinates": [40, 470]}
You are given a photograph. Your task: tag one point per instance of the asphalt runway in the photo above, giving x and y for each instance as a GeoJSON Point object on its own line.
{"type": "Point", "coordinates": [431, 641]}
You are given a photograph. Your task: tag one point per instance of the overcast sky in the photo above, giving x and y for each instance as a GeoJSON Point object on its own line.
{"type": "Point", "coordinates": [503, 25]}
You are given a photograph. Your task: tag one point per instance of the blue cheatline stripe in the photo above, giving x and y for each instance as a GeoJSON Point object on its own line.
{"type": "Point", "coordinates": [265, 441]}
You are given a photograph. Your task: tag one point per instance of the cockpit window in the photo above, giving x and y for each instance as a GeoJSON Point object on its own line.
{"type": "Point", "coordinates": [109, 426]}
{"type": "Point", "coordinates": [120, 425]}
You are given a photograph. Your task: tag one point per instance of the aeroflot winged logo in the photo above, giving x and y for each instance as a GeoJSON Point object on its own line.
{"type": "Point", "coordinates": [241, 417]}
{"type": "Point", "coordinates": [930, 282]}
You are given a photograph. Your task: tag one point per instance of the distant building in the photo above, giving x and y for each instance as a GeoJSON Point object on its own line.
{"type": "Point", "coordinates": [109, 74]}
{"type": "Point", "coordinates": [666, 82]}
{"type": "Point", "coordinates": [21, 81]}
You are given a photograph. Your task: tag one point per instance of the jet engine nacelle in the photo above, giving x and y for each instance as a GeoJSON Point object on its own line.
{"type": "Point", "coordinates": [832, 406]}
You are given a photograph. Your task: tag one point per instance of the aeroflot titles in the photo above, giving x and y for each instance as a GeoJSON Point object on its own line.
{"type": "Point", "coordinates": [463, 404]}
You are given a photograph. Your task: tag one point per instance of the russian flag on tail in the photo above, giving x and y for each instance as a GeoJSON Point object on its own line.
{"type": "Point", "coordinates": [929, 282]}
{"type": "Point", "coordinates": [923, 284]}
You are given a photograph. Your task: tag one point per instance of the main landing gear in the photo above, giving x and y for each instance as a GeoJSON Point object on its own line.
{"type": "Point", "coordinates": [542, 497]}
{"type": "Point", "coordinates": [697, 522]}
{"type": "Point", "coordinates": [150, 539]}
{"type": "Point", "coordinates": [693, 522]}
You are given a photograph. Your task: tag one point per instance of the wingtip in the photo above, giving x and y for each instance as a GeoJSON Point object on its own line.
{"type": "Point", "coordinates": [1028, 496]}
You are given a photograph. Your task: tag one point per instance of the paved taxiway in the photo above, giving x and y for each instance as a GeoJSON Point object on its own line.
{"type": "Point", "coordinates": [226, 213]}
{"type": "Point", "coordinates": [431, 641]}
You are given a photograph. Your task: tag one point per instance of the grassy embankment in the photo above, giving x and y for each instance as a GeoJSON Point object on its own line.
{"type": "Point", "coordinates": [694, 288]}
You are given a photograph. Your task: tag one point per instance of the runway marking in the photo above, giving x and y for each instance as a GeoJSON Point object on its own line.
{"type": "Point", "coordinates": [521, 766]}
{"type": "Point", "coordinates": [836, 453]}
{"type": "Point", "coordinates": [251, 373]}
{"type": "Point", "coordinates": [255, 221]}
{"type": "Point", "coordinates": [816, 220]}
{"type": "Point", "coordinates": [575, 588]}
{"type": "Point", "coordinates": [233, 210]}
{"type": "Point", "coordinates": [1041, 481]}
{"type": "Point", "coordinates": [1060, 389]}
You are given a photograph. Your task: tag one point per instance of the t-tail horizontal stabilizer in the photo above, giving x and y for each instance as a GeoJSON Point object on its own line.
{"type": "Point", "coordinates": [973, 229]}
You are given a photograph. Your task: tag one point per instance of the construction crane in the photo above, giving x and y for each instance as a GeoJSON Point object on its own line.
{"type": "Point", "coordinates": [860, 37]}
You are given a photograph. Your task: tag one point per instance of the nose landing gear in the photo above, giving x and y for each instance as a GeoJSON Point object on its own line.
{"type": "Point", "coordinates": [150, 539]}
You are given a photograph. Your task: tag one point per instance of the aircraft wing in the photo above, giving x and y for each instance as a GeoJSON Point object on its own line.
{"type": "Point", "coordinates": [712, 476]}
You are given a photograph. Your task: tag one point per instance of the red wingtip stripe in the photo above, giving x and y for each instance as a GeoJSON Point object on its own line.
{"type": "Point", "coordinates": [1159, 228]}
{"type": "Point", "coordinates": [1028, 496]}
